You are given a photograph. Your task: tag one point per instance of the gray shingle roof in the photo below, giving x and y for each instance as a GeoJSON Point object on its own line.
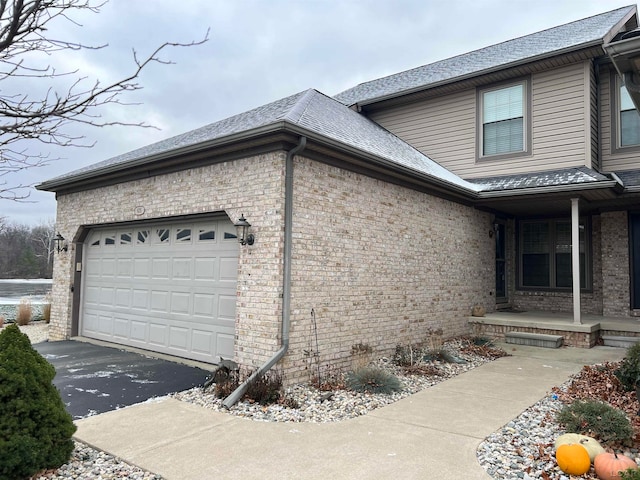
{"type": "Point", "coordinates": [630, 178]}
{"type": "Point", "coordinates": [309, 112]}
{"type": "Point", "coordinates": [551, 178]}
{"type": "Point", "coordinates": [571, 36]}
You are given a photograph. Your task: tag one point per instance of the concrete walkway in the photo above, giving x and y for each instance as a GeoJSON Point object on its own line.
{"type": "Point", "coordinates": [432, 434]}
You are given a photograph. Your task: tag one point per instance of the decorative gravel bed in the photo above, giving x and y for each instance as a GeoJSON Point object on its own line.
{"type": "Point", "coordinates": [314, 406]}
{"type": "Point", "coordinates": [521, 450]}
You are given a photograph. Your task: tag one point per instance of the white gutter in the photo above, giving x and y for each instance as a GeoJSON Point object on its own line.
{"type": "Point", "coordinates": [237, 394]}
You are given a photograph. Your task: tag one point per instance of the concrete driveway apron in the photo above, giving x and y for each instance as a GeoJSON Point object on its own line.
{"type": "Point", "coordinates": [94, 379]}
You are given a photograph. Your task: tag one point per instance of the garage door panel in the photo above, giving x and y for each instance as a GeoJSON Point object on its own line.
{"type": "Point", "coordinates": [140, 299]}
{"type": "Point", "coordinates": [105, 325]}
{"type": "Point", "coordinates": [180, 303]}
{"type": "Point", "coordinates": [179, 338]}
{"type": "Point", "coordinates": [182, 269]}
{"type": "Point", "coordinates": [121, 328]}
{"type": "Point", "coordinates": [201, 341]}
{"type": "Point", "coordinates": [170, 288]}
{"type": "Point", "coordinates": [224, 345]}
{"type": "Point", "coordinates": [228, 269]}
{"type": "Point", "coordinates": [203, 304]}
{"type": "Point", "coordinates": [139, 331]}
{"type": "Point", "coordinates": [157, 334]}
{"type": "Point", "coordinates": [123, 297]}
{"type": "Point", "coordinates": [108, 268]}
{"type": "Point", "coordinates": [159, 301]}
{"type": "Point", "coordinates": [205, 268]}
{"type": "Point", "coordinates": [141, 267]}
{"type": "Point", "coordinates": [124, 266]}
{"type": "Point", "coordinates": [227, 307]}
{"type": "Point", "coordinates": [107, 296]}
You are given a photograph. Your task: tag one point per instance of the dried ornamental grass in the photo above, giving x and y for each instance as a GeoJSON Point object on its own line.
{"type": "Point", "coordinates": [24, 312]}
{"type": "Point", "coordinates": [46, 308]}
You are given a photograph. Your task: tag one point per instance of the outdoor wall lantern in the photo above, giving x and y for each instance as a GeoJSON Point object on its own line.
{"type": "Point", "coordinates": [242, 226]}
{"type": "Point", "coordinates": [61, 245]}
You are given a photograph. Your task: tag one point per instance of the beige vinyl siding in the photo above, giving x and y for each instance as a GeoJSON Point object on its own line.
{"type": "Point", "coordinates": [624, 159]}
{"type": "Point", "coordinates": [444, 128]}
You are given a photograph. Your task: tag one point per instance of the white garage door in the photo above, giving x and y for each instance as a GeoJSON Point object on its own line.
{"type": "Point", "coordinates": [169, 288]}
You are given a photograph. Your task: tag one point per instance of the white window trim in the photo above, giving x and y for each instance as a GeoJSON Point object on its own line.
{"type": "Point", "coordinates": [526, 119]}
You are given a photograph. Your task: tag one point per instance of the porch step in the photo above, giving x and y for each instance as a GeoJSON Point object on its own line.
{"type": "Point", "coordinates": [534, 339]}
{"type": "Point", "coordinates": [619, 341]}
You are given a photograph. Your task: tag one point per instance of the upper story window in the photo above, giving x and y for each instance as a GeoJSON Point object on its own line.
{"type": "Point", "coordinates": [629, 119]}
{"type": "Point", "coordinates": [503, 120]}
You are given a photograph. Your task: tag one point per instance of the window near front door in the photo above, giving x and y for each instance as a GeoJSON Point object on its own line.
{"type": "Point", "coordinates": [629, 120]}
{"type": "Point", "coordinates": [545, 254]}
{"type": "Point", "coordinates": [503, 120]}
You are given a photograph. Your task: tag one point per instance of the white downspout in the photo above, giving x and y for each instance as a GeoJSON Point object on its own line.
{"type": "Point", "coordinates": [575, 259]}
{"type": "Point", "coordinates": [237, 394]}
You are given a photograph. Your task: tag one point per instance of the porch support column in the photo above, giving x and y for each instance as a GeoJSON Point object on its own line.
{"type": "Point", "coordinates": [575, 258]}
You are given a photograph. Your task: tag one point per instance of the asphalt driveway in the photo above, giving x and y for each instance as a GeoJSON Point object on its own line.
{"type": "Point", "coordinates": [94, 379]}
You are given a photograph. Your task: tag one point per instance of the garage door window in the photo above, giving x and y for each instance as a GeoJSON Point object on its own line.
{"type": "Point", "coordinates": [125, 239]}
{"type": "Point", "coordinates": [162, 235]}
{"type": "Point", "coordinates": [143, 235]}
{"type": "Point", "coordinates": [183, 235]}
{"type": "Point", "coordinates": [206, 234]}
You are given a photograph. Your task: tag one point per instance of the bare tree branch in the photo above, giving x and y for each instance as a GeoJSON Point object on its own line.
{"type": "Point", "coordinates": [24, 26]}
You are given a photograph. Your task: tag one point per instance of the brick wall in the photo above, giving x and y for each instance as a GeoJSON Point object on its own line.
{"type": "Point", "coordinates": [378, 263]}
{"type": "Point", "coordinates": [615, 264]}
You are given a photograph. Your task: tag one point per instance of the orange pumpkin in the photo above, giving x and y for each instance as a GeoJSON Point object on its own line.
{"type": "Point", "coordinates": [573, 459]}
{"type": "Point", "coordinates": [609, 465]}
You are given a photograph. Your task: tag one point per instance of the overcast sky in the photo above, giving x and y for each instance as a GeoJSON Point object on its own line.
{"type": "Point", "coordinates": [259, 51]}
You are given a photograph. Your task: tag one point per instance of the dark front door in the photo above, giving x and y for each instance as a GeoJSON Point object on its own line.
{"type": "Point", "coordinates": [501, 263]}
{"type": "Point", "coordinates": [634, 251]}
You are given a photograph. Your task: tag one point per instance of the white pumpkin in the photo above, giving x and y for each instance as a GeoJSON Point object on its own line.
{"type": "Point", "coordinates": [592, 446]}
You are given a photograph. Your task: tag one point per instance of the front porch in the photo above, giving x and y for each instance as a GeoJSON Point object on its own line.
{"type": "Point", "coordinates": [594, 329]}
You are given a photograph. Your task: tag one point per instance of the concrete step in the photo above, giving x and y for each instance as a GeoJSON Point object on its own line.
{"type": "Point", "coordinates": [534, 339]}
{"type": "Point", "coordinates": [619, 341]}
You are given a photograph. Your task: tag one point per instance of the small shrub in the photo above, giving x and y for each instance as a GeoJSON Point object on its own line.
{"type": "Point", "coordinates": [630, 474]}
{"type": "Point", "coordinates": [265, 389]}
{"type": "Point", "coordinates": [373, 380]}
{"type": "Point", "coordinates": [225, 386]}
{"type": "Point", "coordinates": [597, 419]}
{"type": "Point", "coordinates": [361, 354]}
{"type": "Point", "coordinates": [405, 356]}
{"type": "Point", "coordinates": [482, 341]}
{"type": "Point", "coordinates": [24, 312]}
{"type": "Point", "coordinates": [2, 320]}
{"type": "Point", "coordinates": [435, 342]}
{"type": "Point", "coordinates": [629, 371]}
{"type": "Point", "coordinates": [333, 379]}
{"type": "Point", "coordinates": [35, 429]}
